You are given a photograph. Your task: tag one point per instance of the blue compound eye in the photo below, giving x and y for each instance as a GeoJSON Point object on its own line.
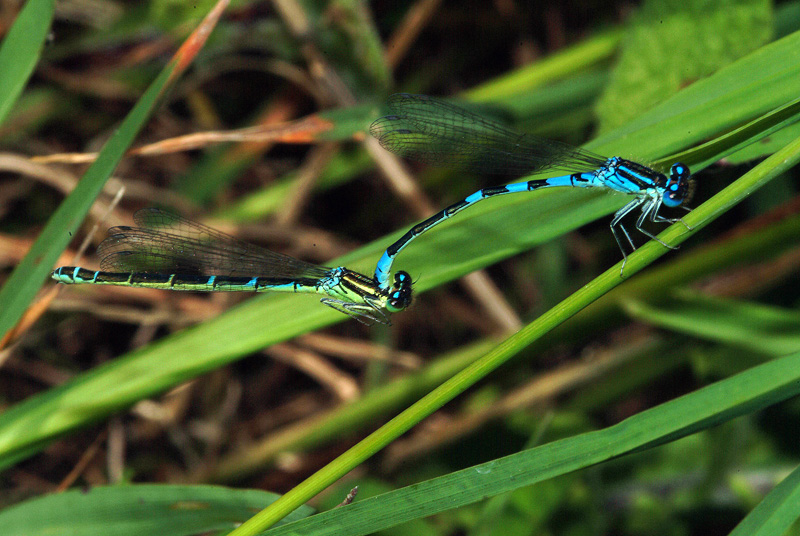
{"type": "Point", "coordinates": [679, 172]}
{"type": "Point", "coordinates": [677, 189]}
{"type": "Point", "coordinates": [674, 195]}
{"type": "Point", "coordinates": [397, 301]}
{"type": "Point", "coordinates": [402, 280]}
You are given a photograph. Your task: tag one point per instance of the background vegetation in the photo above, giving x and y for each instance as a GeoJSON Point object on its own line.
{"type": "Point", "coordinates": [527, 371]}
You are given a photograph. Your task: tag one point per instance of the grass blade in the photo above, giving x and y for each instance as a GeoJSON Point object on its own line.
{"type": "Point", "coordinates": [20, 50]}
{"type": "Point", "coordinates": [137, 509]}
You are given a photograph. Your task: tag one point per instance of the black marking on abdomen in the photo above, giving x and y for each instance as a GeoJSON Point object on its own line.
{"type": "Point", "coordinates": [266, 282]}
{"type": "Point", "coordinates": [494, 190]}
{"type": "Point", "coordinates": [141, 278]}
{"type": "Point", "coordinates": [82, 275]}
{"type": "Point", "coordinates": [455, 207]}
{"type": "Point", "coordinates": [537, 183]}
{"type": "Point", "coordinates": [430, 222]}
{"type": "Point", "coordinates": [395, 248]}
{"type": "Point", "coordinates": [110, 277]}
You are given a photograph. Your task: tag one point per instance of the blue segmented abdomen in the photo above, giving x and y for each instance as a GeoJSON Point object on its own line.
{"type": "Point", "coordinates": [383, 268]}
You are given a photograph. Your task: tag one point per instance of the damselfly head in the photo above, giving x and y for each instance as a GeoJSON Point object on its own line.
{"type": "Point", "coordinates": [400, 295]}
{"type": "Point", "coordinates": [679, 187]}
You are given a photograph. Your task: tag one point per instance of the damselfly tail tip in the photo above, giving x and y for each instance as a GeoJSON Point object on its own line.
{"type": "Point", "coordinates": [60, 274]}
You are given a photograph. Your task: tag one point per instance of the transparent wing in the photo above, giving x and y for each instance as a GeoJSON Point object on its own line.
{"type": "Point", "coordinates": [166, 243]}
{"type": "Point", "coordinates": [436, 132]}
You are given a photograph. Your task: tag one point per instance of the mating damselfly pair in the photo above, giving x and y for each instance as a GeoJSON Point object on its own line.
{"type": "Point", "coordinates": [170, 252]}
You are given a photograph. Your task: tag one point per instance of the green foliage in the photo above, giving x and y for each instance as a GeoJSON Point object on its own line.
{"type": "Point", "coordinates": [20, 51]}
{"type": "Point", "coordinates": [170, 14]}
{"type": "Point", "coordinates": [139, 509]}
{"type": "Point", "coordinates": [756, 327]}
{"type": "Point", "coordinates": [672, 44]}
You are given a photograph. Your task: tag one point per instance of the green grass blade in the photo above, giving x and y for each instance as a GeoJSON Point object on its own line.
{"type": "Point", "coordinates": [776, 513]}
{"type": "Point", "coordinates": [748, 391]}
{"type": "Point", "coordinates": [20, 51]}
{"type": "Point", "coordinates": [137, 509]}
{"type": "Point", "coordinates": [760, 328]}
{"type": "Point", "coordinates": [744, 136]}
{"type": "Point", "coordinates": [657, 58]}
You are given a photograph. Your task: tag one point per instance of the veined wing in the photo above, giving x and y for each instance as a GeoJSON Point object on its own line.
{"type": "Point", "coordinates": [436, 132]}
{"type": "Point", "coordinates": [167, 243]}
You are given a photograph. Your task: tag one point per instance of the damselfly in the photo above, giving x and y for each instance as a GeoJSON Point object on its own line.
{"type": "Point", "coordinates": [436, 132]}
{"type": "Point", "coordinates": [170, 252]}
